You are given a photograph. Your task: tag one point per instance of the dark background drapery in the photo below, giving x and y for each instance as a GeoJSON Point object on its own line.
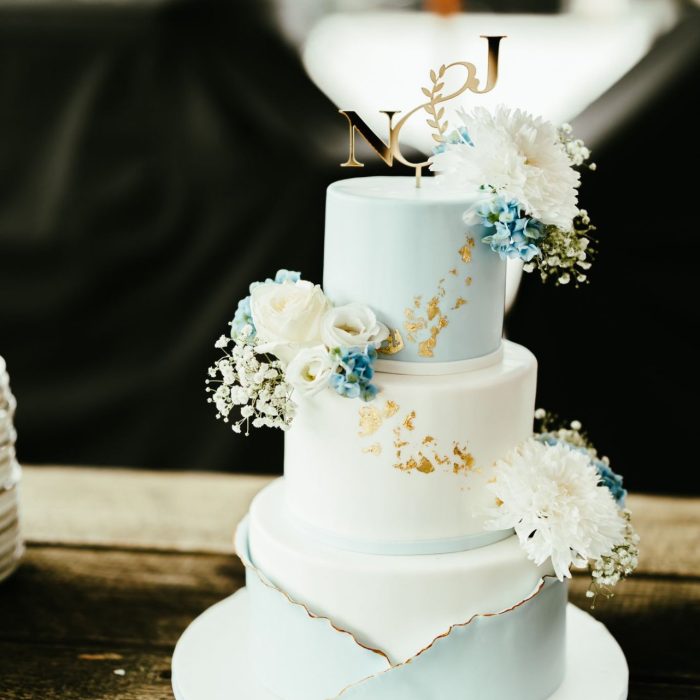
{"type": "Point", "coordinates": [157, 157]}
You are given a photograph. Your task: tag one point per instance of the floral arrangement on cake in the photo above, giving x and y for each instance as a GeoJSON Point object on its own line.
{"type": "Point", "coordinates": [567, 504]}
{"type": "Point", "coordinates": [288, 339]}
{"type": "Point", "coordinates": [528, 171]}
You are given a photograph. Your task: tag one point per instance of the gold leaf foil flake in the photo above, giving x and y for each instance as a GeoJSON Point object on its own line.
{"type": "Point", "coordinates": [425, 349]}
{"type": "Point", "coordinates": [499, 502]}
{"type": "Point", "coordinates": [461, 301]}
{"type": "Point", "coordinates": [393, 344]}
{"type": "Point", "coordinates": [453, 271]}
{"type": "Point", "coordinates": [433, 308]}
{"type": "Point", "coordinates": [425, 465]}
{"type": "Point", "coordinates": [445, 459]}
{"type": "Point", "coordinates": [407, 466]}
{"type": "Point", "coordinates": [408, 421]}
{"type": "Point", "coordinates": [465, 460]}
{"type": "Point", "coordinates": [428, 440]}
{"type": "Point", "coordinates": [374, 449]}
{"type": "Point", "coordinates": [398, 442]}
{"type": "Point", "coordinates": [468, 281]}
{"type": "Point", "coordinates": [417, 301]}
{"type": "Point", "coordinates": [413, 324]}
{"type": "Point", "coordinates": [391, 408]}
{"type": "Point", "coordinates": [465, 252]}
{"type": "Point", "coordinates": [370, 421]}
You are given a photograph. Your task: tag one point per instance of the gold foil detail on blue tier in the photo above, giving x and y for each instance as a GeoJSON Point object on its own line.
{"type": "Point", "coordinates": [423, 323]}
{"type": "Point", "coordinates": [393, 344]}
{"type": "Point", "coordinates": [465, 252]}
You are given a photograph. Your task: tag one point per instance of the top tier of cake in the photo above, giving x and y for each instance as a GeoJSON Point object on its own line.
{"type": "Point", "coordinates": [406, 252]}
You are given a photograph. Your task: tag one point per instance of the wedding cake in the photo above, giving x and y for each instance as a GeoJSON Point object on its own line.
{"type": "Point", "coordinates": [419, 543]}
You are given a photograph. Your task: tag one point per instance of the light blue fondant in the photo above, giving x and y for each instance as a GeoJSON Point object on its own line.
{"type": "Point", "coordinates": [517, 654]}
{"type": "Point", "coordinates": [297, 656]}
{"type": "Point", "coordinates": [443, 545]}
{"type": "Point", "coordinates": [388, 242]}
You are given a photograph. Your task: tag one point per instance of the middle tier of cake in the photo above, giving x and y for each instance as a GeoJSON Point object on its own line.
{"type": "Point", "coordinates": [409, 472]}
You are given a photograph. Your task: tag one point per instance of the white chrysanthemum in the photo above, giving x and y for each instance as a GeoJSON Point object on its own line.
{"type": "Point", "coordinates": [517, 154]}
{"type": "Point", "coordinates": [550, 495]}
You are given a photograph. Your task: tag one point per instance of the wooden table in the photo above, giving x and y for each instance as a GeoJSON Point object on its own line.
{"type": "Point", "coordinates": [119, 562]}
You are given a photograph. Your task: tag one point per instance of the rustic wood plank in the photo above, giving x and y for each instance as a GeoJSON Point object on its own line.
{"type": "Point", "coordinates": [106, 597]}
{"type": "Point", "coordinates": [173, 511]}
{"type": "Point", "coordinates": [669, 527]}
{"type": "Point", "coordinates": [59, 672]}
{"type": "Point", "coordinates": [103, 601]}
{"type": "Point", "coordinates": [199, 511]}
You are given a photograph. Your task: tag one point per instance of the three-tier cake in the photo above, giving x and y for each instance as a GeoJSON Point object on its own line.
{"type": "Point", "coordinates": [419, 543]}
{"type": "Point", "coordinates": [378, 523]}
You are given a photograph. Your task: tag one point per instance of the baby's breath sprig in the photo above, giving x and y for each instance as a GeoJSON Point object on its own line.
{"type": "Point", "coordinates": [566, 256]}
{"type": "Point", "coordinates": [579, 154]}
{"type": "Point", "coordinates": [550, 424]}
{"type": "Point", "coordinates": [616, 566]}
{"type": "Point", "coordinates": [250, 382]}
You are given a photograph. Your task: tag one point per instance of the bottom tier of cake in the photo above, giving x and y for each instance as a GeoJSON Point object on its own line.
{"type": "Point", "coordinates": [483, 623]}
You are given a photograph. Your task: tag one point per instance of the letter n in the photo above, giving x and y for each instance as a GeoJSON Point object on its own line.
{"type": "Point", "coordinates": [356, 123]}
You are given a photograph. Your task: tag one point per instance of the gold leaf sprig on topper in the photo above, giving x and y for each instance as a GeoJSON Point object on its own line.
{"type": "Point", "coordinates": [434, 96]}
{"type": "Point", "coordinates": [391, 150]}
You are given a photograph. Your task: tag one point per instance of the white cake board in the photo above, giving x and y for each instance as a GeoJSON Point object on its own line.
{"type": "Point", "coordinates": [211, 659]}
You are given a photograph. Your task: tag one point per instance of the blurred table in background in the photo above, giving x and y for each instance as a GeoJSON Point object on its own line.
{"type": "Point", "coordinates": [120, 561]}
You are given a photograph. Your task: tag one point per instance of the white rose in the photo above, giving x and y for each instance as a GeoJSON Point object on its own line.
{"type": "Point", "coordinates": [287, 316]}
{"type": "Point", "coordinates": [310, 370]}
{"type": "Point", "coordinates": [352, 325]}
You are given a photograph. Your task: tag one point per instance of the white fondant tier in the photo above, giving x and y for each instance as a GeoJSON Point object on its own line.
{"type": "Point", "coordinates": [411, 468]}
{"type": "Point", "coordinates": [397, 604]}
{"type": "Point", "coordinates": [407, 253]}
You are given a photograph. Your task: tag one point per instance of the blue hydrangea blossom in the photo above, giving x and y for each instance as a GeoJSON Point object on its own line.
{"type": "Point", "coordinates": [515, 234]}
{"type": "Point", "coordinates": [354, 373]}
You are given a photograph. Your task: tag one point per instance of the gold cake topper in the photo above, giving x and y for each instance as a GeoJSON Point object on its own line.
{"type": "Point", "coordinates": [391, 151]}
